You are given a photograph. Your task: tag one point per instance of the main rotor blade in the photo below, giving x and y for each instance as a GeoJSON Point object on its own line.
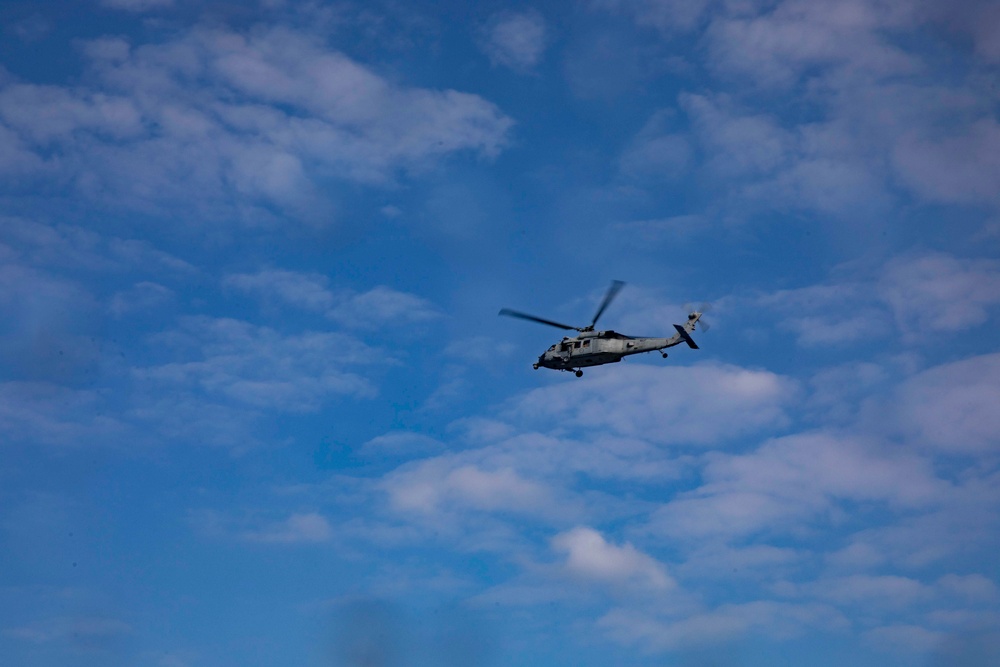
{"type": "Point", "coordinates": [524, 316]}
{"type": "Point", "coordinates": [616, 286]}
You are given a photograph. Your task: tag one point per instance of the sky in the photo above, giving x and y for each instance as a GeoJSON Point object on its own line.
{"type": "Point", "coordinates": [257, 407]}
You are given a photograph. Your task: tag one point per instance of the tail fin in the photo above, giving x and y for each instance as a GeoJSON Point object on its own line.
{"type": "Point", "coordinates": [682, 331]}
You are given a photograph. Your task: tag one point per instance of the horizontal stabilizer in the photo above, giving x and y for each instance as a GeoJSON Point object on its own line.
{"type": "Point", "coordinates": [686, 336]}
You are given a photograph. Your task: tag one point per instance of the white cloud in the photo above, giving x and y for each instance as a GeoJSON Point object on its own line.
{"type": "Point", "coordinates": [962, 168]}
{"type": "Point", "coordinates": [137, 5]}
{"type": "Point", "coordinates": [236, 123]}
{"type": "Point", "coordinates": [143, 296]}
{"type": "Point", "coordinates": [309, 291]}
{"type": "Point", "coordinates": [401, 443]}
{"type": "Point", "coordinates": [904, 638]}
{"type": "Point", "coordinates": [655, 153]}
{"type": "Point", "coordinates": [719, 561]}
{"type": "Point", "coordinates": [701, 404]}
{"type": "Point", "coordinates": [880, 113]}
{"type": "Point", "coordinates": [970, 587]}
{"type": "Point", "coordinates": [951, 408]}
{"type": "Point", "coordinates": [776, 47]}
{"type": "Point", "coordinates": [979, 19]}
{"type": "Point", "coordinates": [381, 306]}
{"type": "Point", "coordinates": [815, 166]}
{"type": "Point", "coordinates": [48, 115]}
{"type": "Point", "coordinates": [48, 329]}
{"type": "Point", "coordinates": [515, 40]}
{"type": "Point", "coordinates": [855, 556]}
{"type": "Point", "coordinates": [310, 527]}
{"type": "Point", "coordinates": [738, 145]}
{"type": "Point", "coordinates": [590, 556]}
{"type": "Point", "coordinates": [837, 390]}
{"type": "Point", "coordinates": [643, 233]}
{"type": "Point", "coordinates": [65, 246]}
{"type": "Point", "coordinates": [939, 293]}
{"type": "Point", "coordinates": [872, 591]}
{"type": "Point", "coordinates": [436, 485]}
{"type": "Point", "coordinates": [16, 156]}
{"type": "Point", "coordinates": [790, 481]}
{"type": "Point", "coordinates": [920, 295]}
{"type": "Point", "coordinates": [824, 315]}
{"type": "Point", "coordinates": [670, 16]}
{"type": "Point", "coordinates": [261, 368]}
{"type": "Point", "coordinates": [726, 622]}
{"type": "Point", "coordinates": [47, 414]}
{"type": "Point", "coordinates": [963, 521]}
{"type": "Point", "coordinates": [62, 246]}
{"type": "Point", "coordinates": [378, 307]}
{"type": "Point", "coordinates": [86, 632]}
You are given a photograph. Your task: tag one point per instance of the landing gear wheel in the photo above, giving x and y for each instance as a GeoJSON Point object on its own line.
{"type": "Point", "coordinates": [664, 354]}
{"type": "Point", "coordinates": [579, 374]}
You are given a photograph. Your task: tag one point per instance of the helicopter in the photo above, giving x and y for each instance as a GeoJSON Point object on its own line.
{"type": "Point", "coordinates": [595, 348]}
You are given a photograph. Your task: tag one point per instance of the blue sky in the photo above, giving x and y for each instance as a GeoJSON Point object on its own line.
{"type": "Point", "coordinates": [257, 407]}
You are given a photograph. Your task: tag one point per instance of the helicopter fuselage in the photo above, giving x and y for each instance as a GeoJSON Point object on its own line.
{"type": "Point", "coordinates": [594, 348]}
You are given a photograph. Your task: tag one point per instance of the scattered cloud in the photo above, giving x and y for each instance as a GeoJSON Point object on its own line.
{"type": "Point", "coordinates": [701, 404]}
{"type": "Point", "coordinates": [47, 333]}
{"type": "Point", "coordinates": [669, 16]}
{"type": "Point", "coordinates": [918, 295]}
{"type": "Point", "coordinates": [515, 40]}
{"type": "Point", "coordinates": [234, 123]}
{"type": "Point", "coordinates": [835, 314]}
{"type": "Point", "coordinates": [309, 291]}
{"type": "Point", "coordinates": [381, 306]}
{"type": "Point", "coordinates": [143, 296]}
{"type": "Point", "coordinates": [88, 632]}
{"type": "Point", "coordinates": [962, 168]}
{"type": "Point", "coordinates": [939, 293]}
{"type": "Point", "coordinates": [590, 557]}
{"type": "Point", "coordinates": [763, 162]}
{"type": "Point", "coordinates": [873, 591]}
{"type": "Point", "coordinates": [904, 638]}
{"type": "Point", "coordinates": [61, 247]}
{"type": "Point", "coordinates": [49, 414]}
{"type": "Point", "coordinates": [880, 113]}
{"type": "Point", "coordinates": [433, 486]}
{"type": "Point", "coordinates": [727, 622]}
{"type": "Point", "coordinates": [950, 408]}
{"type": "Point", "coordinates": [972, 587]}
{"type": "Point", "coordinates": [655, 153]}
{"type": "Point", "coordinates": [305, 528]}
{"type": "Point", "coordinates": [378, 307]}
{"type": "Point", "coordinates": [776, 46]}
{"type": "Point", "coordinates": [261, 368]}
{"type": "Point", "coordinates": [401, 443]}
{"type": "Point", "coordinates": [789, 482]}
{"type": "Point", "coordinates": [137, 5]}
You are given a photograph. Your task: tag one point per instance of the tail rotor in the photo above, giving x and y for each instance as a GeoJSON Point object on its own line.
{"type": "Point", "coordinates": [699, 311]}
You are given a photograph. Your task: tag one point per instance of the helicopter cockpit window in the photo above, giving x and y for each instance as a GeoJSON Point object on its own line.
{"type": "Point", "coordinates": [576, 344]}
{"type": "Point", "coordinates": [586, 343]}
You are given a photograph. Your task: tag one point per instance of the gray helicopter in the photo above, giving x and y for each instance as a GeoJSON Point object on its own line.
{"type": "Point", "coordinates": [594, 348]}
